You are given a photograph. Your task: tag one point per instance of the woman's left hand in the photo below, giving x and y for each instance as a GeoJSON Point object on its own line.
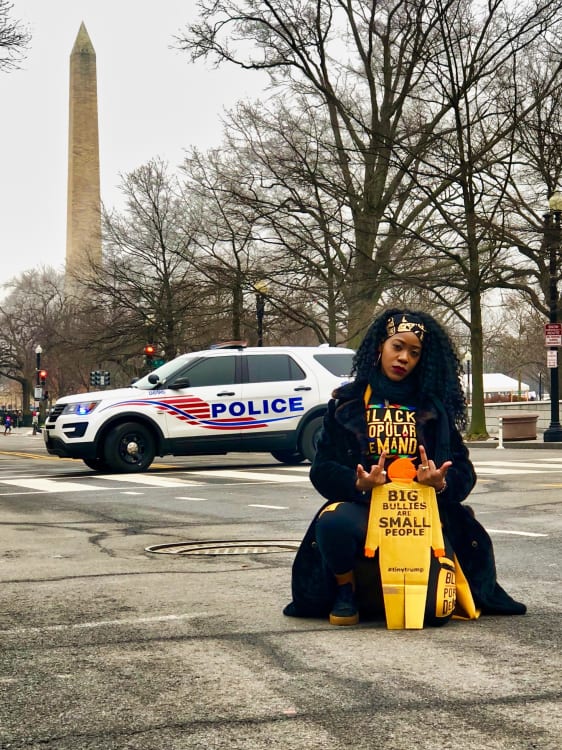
{"type": "Point", "coordinates": [429, 474]}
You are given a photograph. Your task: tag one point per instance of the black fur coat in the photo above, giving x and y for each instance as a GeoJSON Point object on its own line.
{"type": "Point", "coordinates": [343, 445]}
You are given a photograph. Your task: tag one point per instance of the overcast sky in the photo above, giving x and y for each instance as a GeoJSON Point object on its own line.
{"type": "Point", "coordinates": [152, 102]}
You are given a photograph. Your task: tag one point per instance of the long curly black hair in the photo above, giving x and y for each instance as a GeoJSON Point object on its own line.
{"type": "Point", "coordinates": [438, 372]}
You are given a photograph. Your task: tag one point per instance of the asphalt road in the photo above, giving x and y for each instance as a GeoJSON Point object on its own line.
{"type": "Point", "coordinates": [105, 644]}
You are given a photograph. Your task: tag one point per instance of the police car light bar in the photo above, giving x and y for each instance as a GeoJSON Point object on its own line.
{"type": "Point", "coordinates": [230, 345]}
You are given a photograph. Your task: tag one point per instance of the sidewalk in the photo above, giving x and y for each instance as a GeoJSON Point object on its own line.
{"type": "Point", "coordinates": [493, 442]}
{"type": "Point", "coordinates": [20, 432]}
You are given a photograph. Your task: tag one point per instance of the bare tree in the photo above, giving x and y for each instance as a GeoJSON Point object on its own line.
{"type": "Point", "coordinates": [469, 165]}
{"type": "Point", "coordinates": [147, 289]}
{"type": "Point", "coordinates": [275, 193]}
{"type": "Point", "coordinates": [521, 355]}
{"type": "Point", "coordinates": [364, 65]}
{"type": "Point", "coordinates": [380, 73]}
{"type": "Point", "coordinates": [536, 173]}
{"type": "Point", "coordinates": [14, 38]}
{"type": "Point", "coordinates": [30, 315]}
{"type": "Point", "coordinates": [226, 254]}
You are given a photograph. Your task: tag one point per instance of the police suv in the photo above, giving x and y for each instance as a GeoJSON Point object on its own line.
{"type": "Point", "coordinates": [263, 399]}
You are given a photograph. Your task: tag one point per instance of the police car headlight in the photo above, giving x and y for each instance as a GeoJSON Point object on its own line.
{"type": "Point", "coordinates": [81, 408]}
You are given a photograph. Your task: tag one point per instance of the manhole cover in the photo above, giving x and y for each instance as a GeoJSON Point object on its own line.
{"type": "Point", "coordinates": [244, 547]}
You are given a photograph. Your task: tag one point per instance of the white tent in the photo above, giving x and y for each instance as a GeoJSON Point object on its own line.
{"type": "Point", "coordinates": [495, 382]}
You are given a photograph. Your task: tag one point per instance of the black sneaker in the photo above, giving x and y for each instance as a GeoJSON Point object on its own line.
{"type": "Point", "coordinates": [344, 611]}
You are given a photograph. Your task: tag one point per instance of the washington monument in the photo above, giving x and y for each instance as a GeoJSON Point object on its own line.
{"type": "Point", "coordinates": [83, 228]}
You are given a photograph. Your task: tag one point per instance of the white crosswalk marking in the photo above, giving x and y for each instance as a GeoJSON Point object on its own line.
{"type": "Point", "coordinates": [150, 480]}
{"type": "Point", "coordinates": [524, 465]}
{"type": "Point", "coordinates": [499, 468]}
{"type": "Point", "coordinates": [252, 476]}
{"type": "Point", "coordinates": [499, 471]}
{"type": "Point", "coordinates": [515, 533]}
{"type": "Point", "coordinates": [547, 468]}
{"type": "Point", "coordinates": [52, 485]}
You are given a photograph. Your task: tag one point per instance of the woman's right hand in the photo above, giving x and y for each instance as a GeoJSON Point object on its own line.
{"type": "Point", "coordinates": [366, 480]}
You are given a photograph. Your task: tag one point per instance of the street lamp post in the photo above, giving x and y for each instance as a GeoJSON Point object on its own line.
{"type": "Point", "coordinates": [468, 380]}
{"type": "Point", "coordinates": [553, 433]}
{"type": "Point", "coordinates": [38, 352]}
{"type": "Point", "coordinates": [261, 289]}
{"type": "Point", "coordinates": [38, 390]}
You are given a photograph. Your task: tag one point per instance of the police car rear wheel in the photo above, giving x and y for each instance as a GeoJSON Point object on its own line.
{"type": "Point", "coordinates": [309, 438]}
{"type": "Point", "coordinates": [288, 457]}
{"type": "Point", "coordinates": [129, 448]}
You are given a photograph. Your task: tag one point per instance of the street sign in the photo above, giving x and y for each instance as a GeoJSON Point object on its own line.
{"type": "Point", "coordinates": [552, 358]}
{"type": "Point", "coordinates": [553, 334]}
{"type": "Point", "coordinates": [38, 393]}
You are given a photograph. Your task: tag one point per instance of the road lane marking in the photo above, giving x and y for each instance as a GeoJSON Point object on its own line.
{"type": "Point", "coordinates": [249, 475]}
{"type": "Point", "coordinates": [20, 493]}
{"type": "Point", "coordinates": [516, 533]}
{"type": "Point", "coordinates": [104, 623]}
{"type": "Point", "coordinates": [42, 456]}
{"type": "Point", "coordinates": [147, 479]}
{"type": "Point", "coordinates": [52, 485]}
{"type": "Point", "coordinates": [523, 464]}
{"type": "Point", "coordinates": [498, 471]}
{"type": "Point", "coordinates": [272, 507]}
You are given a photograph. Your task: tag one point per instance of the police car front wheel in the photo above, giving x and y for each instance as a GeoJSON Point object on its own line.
{"type": "Point", "coordinates": [129, 448]}
{"type": "Point", "coordinates": [291, 458]}
{"type": "Point", "coordinates": [96, 464]}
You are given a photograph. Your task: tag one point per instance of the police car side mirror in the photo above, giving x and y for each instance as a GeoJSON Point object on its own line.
{"type": "Point", "coordinates": [179, 383]}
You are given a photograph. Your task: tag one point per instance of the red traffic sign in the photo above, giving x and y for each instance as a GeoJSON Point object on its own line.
{"type": "Point", "coordinates": [553, 334]}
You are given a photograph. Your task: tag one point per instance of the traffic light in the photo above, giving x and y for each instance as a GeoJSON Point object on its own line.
{"type": "Point", "coordinates": [149, 351]}
{"type": "Point", "coordinates": [100, 377]}
{"type": "Point", "coordinates": [42, 377]}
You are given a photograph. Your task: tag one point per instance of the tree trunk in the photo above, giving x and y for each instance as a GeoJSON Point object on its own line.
{"type": "Point", "coordinates": [363, 290]}
{"type": "Point", "coordinates": [237, 309]}
{"type": "Point", "coordinates": [477, 427]}
{"type": "Point", "coordinates": [26, 391]}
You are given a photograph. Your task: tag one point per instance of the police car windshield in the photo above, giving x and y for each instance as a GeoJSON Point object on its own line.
{"type": "Point", "coordinates": [164, 373]}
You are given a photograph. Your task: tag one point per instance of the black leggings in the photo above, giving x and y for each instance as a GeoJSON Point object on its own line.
{"type": "Point", "coordinates": [340, 535]}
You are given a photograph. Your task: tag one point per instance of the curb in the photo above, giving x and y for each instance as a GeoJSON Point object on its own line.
{"type": "Point", "coordinates": [527, 444]}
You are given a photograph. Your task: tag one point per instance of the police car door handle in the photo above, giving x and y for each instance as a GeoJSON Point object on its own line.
{"type": "Point", "coordinates": [303, 388]}
{"type": "Point", "coordinates": [226, 393]}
